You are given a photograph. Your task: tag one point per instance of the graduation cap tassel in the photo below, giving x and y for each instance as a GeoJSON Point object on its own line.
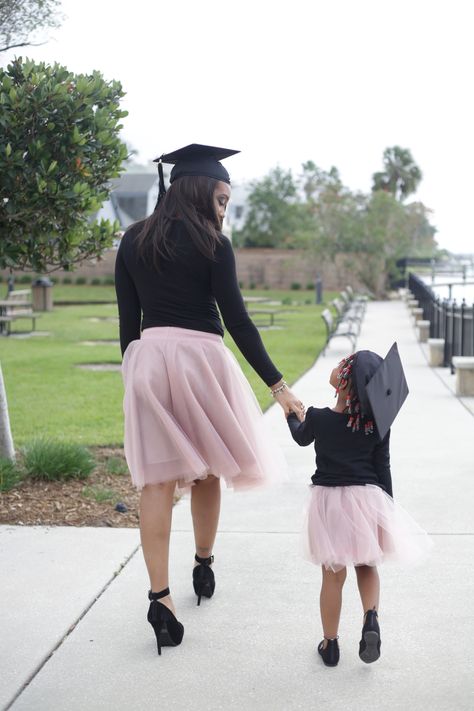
{"type": "Point", "coordinates": [161, 183]}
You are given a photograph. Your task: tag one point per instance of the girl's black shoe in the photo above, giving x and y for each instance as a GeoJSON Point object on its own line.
{"type": "Point", "coordinates": [203, 578]}
{"type": "Point", "coordinates": [330, 653]}
{"type": "Point", "coordinates": [369, 646]}
{"type": "Point", "coordinates": [169, 632]}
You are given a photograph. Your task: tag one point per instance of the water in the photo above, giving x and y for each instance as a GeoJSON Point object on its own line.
{"type": "Point", "coordinates": [459, 289]}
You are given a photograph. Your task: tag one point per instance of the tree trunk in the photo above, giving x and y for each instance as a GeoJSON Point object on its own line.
{"type": "Point", "coordinates": [7, 450]}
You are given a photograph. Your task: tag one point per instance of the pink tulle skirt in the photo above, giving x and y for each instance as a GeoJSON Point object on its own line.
{"type": "Point", "coordinates": [359, 525]}
{"type": "Point", "coordinates": [190, 412]}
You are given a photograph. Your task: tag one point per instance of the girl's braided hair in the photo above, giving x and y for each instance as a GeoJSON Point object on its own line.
{"type": "Point", "coordinates": [353, 409]}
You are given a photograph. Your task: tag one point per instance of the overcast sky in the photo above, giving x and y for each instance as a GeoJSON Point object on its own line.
{"type": "Point", "coordinates": [335, 81]}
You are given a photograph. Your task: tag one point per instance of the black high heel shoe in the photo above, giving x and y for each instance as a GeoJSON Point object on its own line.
{"type": "Point", "coordinates": [169, 632]}
{"type": "Point", "coordinates": [369, 646]}
{"type": "Point", "coordinates": [330, 653]}
{"type": "Point", "coordinates": [203, 578]}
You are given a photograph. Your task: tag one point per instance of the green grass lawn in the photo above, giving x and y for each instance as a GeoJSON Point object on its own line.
{"type": "Point", "coordinates": [49, 396]}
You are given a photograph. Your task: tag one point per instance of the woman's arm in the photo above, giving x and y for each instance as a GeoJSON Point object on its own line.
{"type": "Point", "coordinates": [226, 291]}
{"type": "Point", "coordinates": [129, 308]}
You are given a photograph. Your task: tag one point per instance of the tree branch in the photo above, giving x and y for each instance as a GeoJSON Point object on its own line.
{"type": "Point", "coordinates": [22, 44]}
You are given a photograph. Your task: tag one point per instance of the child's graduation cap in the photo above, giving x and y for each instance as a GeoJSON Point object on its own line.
{"type": "Point", "coordinates": [380, 386]}
{"type": "Point", "coordinates": [194, 159]}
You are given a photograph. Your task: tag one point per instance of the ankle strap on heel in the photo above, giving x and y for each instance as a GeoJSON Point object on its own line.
{"type": "Point", "coordinates": [204, 561]}
{"type": "Point", "coordinates": [158, 595]}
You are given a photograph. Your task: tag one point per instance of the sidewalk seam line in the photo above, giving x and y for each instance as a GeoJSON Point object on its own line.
{"type": "Point", "coordinates": [72, 627]}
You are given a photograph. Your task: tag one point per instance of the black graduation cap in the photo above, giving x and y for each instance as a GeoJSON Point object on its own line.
{"type": "Point", "coordinates": [380, 386]}
{"type": "Point", "coordinates": [194, 159]}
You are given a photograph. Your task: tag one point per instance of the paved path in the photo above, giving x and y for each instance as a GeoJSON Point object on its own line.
{"type": "Point", "coordinates": [81, 593]}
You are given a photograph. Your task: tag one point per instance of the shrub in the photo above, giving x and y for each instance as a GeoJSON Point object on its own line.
{"type": "Point", "coordinates": [310, 285]}
{"type": "Point", "coordinates": [266, 287]}
{"type": "Point", "coordinates": [67, 280]}
{"type": "Point", "coordinates": [115, 465]}
{"type": "Point", "coordinates": [251, 285]}
{"type": "Point", "coordinates": [241, 285]}
{"type": "Point", "coordinates": [308, 302]}
{"type": "Point", "coordinates": [50, 460]}
{"type": "Point", "coordinates": [95, 282]}
{"type": "Point", "coordinates": [54, 280]}
{"type": "Point", "coordinates": [287, 301]}
{"type": "Point", "coordinates": [81, 280]}
{"type": "Point", "coordinates": [295, 285]}
{"type": "Point", "coordinates": [109, 280]}
{"type": "Point", "coordinates": [98, 493]}
{"type": "Point", "coordinates": [10, 475]}
{"type": "Point", "coordinates": [25, 279]}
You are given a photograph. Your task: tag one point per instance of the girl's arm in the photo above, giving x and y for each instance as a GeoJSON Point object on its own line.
{"type": "Point", "coordinates": [302, 432]}
{"type": "Point", "coordinates": [382, 464]}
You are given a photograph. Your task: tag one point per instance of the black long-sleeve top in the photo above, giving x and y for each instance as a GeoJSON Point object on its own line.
{"type": "Point", "coordinates": [186, 293]}
{"type": "Point", "coordinates": [343, 457]}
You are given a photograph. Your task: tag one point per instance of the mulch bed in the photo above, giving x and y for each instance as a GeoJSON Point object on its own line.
{"type": "Point", "coordinates": [73, 502]}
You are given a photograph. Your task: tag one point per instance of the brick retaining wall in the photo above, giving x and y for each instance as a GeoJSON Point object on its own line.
{"type": "Point", "coordinates": [275, 268]}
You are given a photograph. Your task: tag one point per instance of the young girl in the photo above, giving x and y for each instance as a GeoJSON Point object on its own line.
{"type": "Point", "coordinates": [351, 517]}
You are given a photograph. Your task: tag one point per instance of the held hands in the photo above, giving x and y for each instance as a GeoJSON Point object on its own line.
{"type": "Point", "coordinates": [289, 402]}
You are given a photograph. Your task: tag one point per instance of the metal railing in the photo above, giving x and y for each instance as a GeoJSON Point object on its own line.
{"type": "Point", "coordinates": [450, 320]}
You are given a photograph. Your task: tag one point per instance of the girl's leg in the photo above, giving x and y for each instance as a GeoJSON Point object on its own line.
{"type": "Point", "coordinates": [331, 601]}
{"type": "Point", "coordinates": [369, 586]}
{"type": "Point", "coordinates": [205, 509]}
{"type": "Point", "coordinates": [156, 505]}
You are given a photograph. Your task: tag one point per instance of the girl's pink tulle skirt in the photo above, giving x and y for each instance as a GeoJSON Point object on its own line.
{"type": "Point", "coordinates": [359, 525]}
{"type": "Point", "coordinates": [190, 412]}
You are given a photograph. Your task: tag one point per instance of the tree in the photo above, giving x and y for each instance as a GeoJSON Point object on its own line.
{"type": "Point", "coordinates": [334, 209]}
{"type": "Point", "coordinates": [401, 175]}
{"type": "Point", "coordinates": [20, 20]}
{"type": "Point", "coordinates": [317, 212]}
{"type": "Point", "coordinates": [274, 217]}
{"type": "Point", "coordinates": [59, 146]}
{"type": "Point", "coordinates": [58, 149]}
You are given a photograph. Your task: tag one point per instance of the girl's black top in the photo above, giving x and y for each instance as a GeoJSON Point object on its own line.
{"type": "Point", "coordinates": [343, 457]}
{"type": "Point", "coordinates": [186, 293]}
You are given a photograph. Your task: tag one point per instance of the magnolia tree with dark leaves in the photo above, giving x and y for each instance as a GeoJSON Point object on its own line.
{"type": "Point", "coordinates": [59, 147]}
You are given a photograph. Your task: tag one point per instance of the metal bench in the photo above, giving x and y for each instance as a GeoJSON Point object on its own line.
{"type": "Point", "coordinates": [347, 316]}
{"type": "Point", "coordinates": [353, 306]}
{"type": "Point", "coordinates": [337, 330]}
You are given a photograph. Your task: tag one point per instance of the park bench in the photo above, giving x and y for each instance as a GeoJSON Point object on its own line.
{"type": "Point", "coordinates": [346, 315]}
{"type": "Point", "coordinates": [16, 306]}
{"type": "Point", "coordinates": [356, 298]}
{"type": "Point", "coordinates": [335, 329]}
{"type": "Point", "coordinates": [270, 313]}
{"type": "Point", "coordinates": [355, 307]}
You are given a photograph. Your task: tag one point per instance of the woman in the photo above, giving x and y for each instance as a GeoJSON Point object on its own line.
{"type": "Point", "coordinates": [190, 415]}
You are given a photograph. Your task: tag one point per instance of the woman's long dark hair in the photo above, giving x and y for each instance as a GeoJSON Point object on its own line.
{"type": "Point", "coordinates": [189, 199]}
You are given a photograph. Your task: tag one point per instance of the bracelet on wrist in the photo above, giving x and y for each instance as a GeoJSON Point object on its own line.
{"type": "Point", "coordinates": [279, 389]}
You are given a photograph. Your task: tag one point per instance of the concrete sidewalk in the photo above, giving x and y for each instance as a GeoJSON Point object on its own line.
{"type": "Point", "coordinates": [82, 592]}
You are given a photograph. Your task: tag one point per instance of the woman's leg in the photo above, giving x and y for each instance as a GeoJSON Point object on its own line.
{"type": "Point", "coordinates": [369, 586]}
{"type": "Point", "coordinates": [331, 601]}
{"type": "Point", "coordinates": [205, 509]}
{"type": "Point", "coordinates": [156, 505]}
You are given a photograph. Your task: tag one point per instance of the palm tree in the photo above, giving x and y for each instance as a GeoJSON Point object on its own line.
{"type": "Point", "coordinates": [401, 176]}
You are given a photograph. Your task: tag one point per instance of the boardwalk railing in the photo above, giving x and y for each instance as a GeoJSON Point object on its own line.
{"type": "Point", "coordinates": [450, 320]}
